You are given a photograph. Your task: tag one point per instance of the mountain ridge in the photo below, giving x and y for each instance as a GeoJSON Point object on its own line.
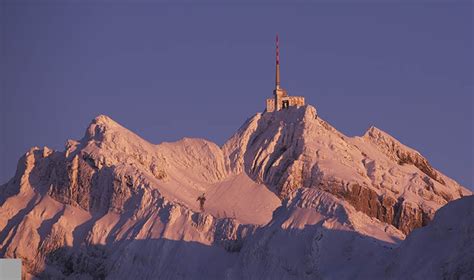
{"type": "Point", "coordinates": [283, 171]}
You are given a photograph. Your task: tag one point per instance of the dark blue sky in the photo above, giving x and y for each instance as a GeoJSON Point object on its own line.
{"type": "Point", "coordinates": [167, 71]}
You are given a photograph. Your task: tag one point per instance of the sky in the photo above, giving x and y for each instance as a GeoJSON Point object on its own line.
{"type": "Point", "coordinates": [171, 70]}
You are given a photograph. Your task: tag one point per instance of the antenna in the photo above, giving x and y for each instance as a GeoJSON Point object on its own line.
{"type": "Point", "coordinates": [277, 74]}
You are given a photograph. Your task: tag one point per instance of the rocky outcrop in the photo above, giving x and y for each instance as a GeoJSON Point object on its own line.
{"type": "Point", "coordinates": [399, 213]}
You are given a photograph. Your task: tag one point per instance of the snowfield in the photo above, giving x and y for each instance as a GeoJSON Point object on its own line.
{"type": "Point", "coordinates": [288, 197]}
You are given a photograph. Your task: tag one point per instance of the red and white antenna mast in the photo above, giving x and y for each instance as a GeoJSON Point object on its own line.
{"type": "Point", "coordinates": [277, 74]}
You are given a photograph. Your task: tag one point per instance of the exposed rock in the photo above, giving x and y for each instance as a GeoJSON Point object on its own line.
{"type": "Point", "coordinates": [400, 214]}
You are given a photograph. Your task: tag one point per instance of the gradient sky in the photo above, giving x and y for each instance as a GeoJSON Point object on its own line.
{"type": "Point", "coordinates": [167, 71]}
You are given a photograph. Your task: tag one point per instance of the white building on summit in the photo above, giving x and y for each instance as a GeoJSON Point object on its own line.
{"type": "Point", "coordinates": [281, 99]}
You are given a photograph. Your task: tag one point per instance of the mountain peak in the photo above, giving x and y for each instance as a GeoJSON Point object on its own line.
{"type": "Point", "coordinates": [105, 122]}
{"type": "Point", "coordinates": [104, 128]}
{"type": "Point", "coordinates": [293, 113]}
{"type": "Point", "coordinates": [103, 119]}
{"type": "Point", "coordinates": [379, 136]}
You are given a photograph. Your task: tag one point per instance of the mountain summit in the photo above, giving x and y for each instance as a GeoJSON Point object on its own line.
{"type": "Point", "coordinates": [378, 175]}
{"type": "Point", "coordinates": [287, 197]}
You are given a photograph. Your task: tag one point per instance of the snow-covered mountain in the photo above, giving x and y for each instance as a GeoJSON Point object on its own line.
{"type": "Point", "coordinates": [288, 197]}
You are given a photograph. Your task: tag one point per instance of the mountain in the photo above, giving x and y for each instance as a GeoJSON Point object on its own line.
{"type": "Point", "coordinates": [288, 197]}
{"type": "Point", "coordinates": [377, 174]}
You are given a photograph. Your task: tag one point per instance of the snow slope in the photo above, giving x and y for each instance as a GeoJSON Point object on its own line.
{"type": "Point", "coordinates": [442, 250]}
{"type": "Point", "coordinates": [315, 236]}
{"type": "Point", "coordinates": [288, 197]}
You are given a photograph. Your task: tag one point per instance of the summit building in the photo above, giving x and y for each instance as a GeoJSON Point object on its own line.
{"type": "Point", "coordinates": [281, 99]}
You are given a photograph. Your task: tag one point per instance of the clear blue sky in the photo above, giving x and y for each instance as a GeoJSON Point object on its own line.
{"type": "Point", "coordinates": [167, 71]}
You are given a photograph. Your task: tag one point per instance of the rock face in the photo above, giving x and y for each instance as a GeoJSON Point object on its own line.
{"type": "Point", "coordinates": [112, 201]}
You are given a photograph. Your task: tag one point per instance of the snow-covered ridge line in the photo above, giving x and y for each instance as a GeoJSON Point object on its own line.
{"type": "Point", "coordinates": [112, 197]}
{"type": "Point", "coordinates": [284, 150]}
{"type": "Point", "coordinates": [403, 154]}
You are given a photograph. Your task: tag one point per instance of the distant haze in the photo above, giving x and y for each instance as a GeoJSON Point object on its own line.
{"type": "Point", "coordinates": [167, 71]}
